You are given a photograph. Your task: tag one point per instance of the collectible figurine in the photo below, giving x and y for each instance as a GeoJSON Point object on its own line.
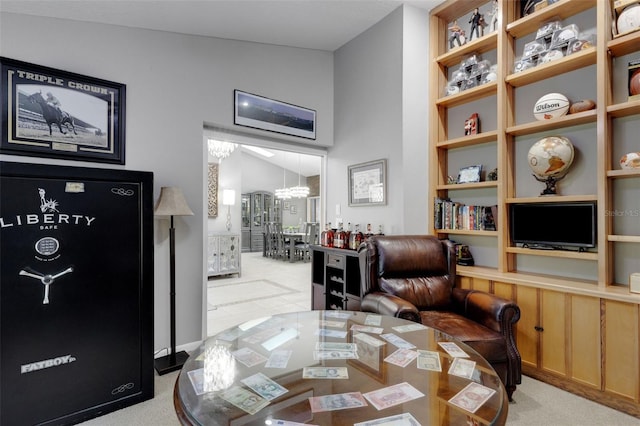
{"type": "Point", "coordinates": [475, 24]}
{"type": "Point", "coordinates": [471, 125]}
{"type": "Point", "coordinates": [456, 34]}
{"type": "Point", "coordinates": [494, 15]}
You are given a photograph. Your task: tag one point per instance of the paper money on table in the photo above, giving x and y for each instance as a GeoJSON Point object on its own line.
{"type": "Point", "coordinates": [248, 356]}
{"type": "Point", "coordinates": [261, 335]}
{"type": "Point", "coordinates": [339, 401]}
{"type": "Point", "coordinates": [325, 373]}
{"type": "Point", "coordinates": [325, 332]}
{"type": "Point", "coordinates": [401, 357]}
{"type": "Point", "coordinates": [337, 314]}
{"type": "Point", "coordinates": [408, 327]}
{"type": "Point", "coordinates": [462, 367]}
{"type": "Point", "coordinates": [336, 346]}
{"type": "Point", "coordinates": [397, 341]}
{"type": "Point", "coordinates": [323, 355]}
{"type": "Point", "coordinates": [369, 340]}
{"type": "Point", "coordinates": [279, 358]}
{"type": "Point", "coordinates": [373, 319]}
{"type": "Point", "coordinates": [454, 350]}
{"type": "Point", "coordinates": [334, 324]}
{"type": "Point", "coordinates": [276, 422]}
{"type": "Point", "coordinates": [429, 360]}
{"type": "Point", "coordinates": [264, 386]}
{"type": "Point", "coordinates": [404, 419]}
{"type": "Point", "coordinates": [367, 329]}
{"type": "Point", "coordinates": [392, 395]}
{"type": "Point", "coordinates": [472, 397]}
{"type": "Point", "coordinates": [197, 380]}
{"type": "Point", "coordinates": [244, 399]}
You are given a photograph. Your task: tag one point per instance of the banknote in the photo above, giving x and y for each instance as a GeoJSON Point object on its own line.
{"type": "Point", "coordinates": [325, 332]}
{"type": "Point", "coordinates": [408, 327]}
{"type": "Point", "coordinates": [336, 346]}
{"type": "Point", "coordinates": [339, 401]}
{"type": "Point", "coordinates": [392, 395]}
{"type": "Point", "coordinates": [367, 329]}
{"type": "Point", "coordinates": [429, 360]}
{"type": "Point", "coordinates": [397, 341]}
{"type": "Point", "coordinates": [462, 367]}
{"type": "Point", "coordinates": [337, 314]}
{"type": "Point", "coordinates": [264, 386]}
{"type": "Point", "coordinates": [472, 397]}
{"type": "Point", "coordinates": [261, 336]}
{"type": "Point", "coordinates": [452, 349]}
{"type": "Point", "coordinates": [323, 355]}
{"type": "Point", "coordinates": [244, 399]}
{"type": "Point", "coordinates": [373, 319]}
{"type": "Point", "coordinates": [248, 356]}
{"type": "Point", "coordinates": [325, 373]}
{"type": "Point", "coordinates": [369, 340]}
{"type": "Point", "coordinates": [404, 419]}
{"type": "Point", "coordinates": [401, 357]}
{"type": "Point", "coordinates": [279, 358]}
{"type": "Point", "coordinates": [330, 323]}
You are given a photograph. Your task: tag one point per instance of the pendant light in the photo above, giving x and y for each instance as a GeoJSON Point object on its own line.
{"type": "Point", "coordinates": [299, 191]}
{"type": "Point", "coordinates": [283, 193]}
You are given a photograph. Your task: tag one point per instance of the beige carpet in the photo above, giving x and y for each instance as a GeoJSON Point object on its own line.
{"type": "Point", "coordinates": [536, 404]}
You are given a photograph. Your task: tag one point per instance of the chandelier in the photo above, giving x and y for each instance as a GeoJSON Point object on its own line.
{"type": "Point", "coordinates": [220, 149]}
{"type": "Point", "coordinates": [299, 191]}
{"type": "Point", "coordinates": [283, 193]}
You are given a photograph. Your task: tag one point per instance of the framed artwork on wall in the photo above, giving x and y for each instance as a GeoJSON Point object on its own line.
{"type": "Point", "coordinates": [368, 183]}
{"type": "Point", "coordinates": [52, 113]}
{"type": "Point", "coordinates": [212, 182]}
{"type": "Point", "coordinates": [267, 114]}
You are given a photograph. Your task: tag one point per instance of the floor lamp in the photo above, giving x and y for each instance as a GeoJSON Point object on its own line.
{"type": "Point", "coordinates": [171, 203]}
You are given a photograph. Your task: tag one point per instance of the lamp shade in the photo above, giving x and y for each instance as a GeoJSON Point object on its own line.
{"type": "Point", "coordinates": [171, 203]}
{"type": "Point", "coordinates": [228, 197]}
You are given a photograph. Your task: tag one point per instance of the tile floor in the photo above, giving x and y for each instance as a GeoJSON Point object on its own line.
{"type": "Point", "coordinates": [265, 287]}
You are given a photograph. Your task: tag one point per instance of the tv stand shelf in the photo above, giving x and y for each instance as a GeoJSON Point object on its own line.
{"type": "Point", "coordinates": [567, 254]}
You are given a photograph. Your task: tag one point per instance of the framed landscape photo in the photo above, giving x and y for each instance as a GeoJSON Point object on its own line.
{"type": "Point", "coordinates": [470, 174]}
{"type": "Point", "coordinates": [52, 113]}
{"type": "Point", "coordinates": [368, 183]}
{"type": "Point", "coordinates": [275, 116]}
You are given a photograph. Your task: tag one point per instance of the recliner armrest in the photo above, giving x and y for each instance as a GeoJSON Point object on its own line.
{"type": "Point", "coordinates": [388, 304]}
{"type": "Point", "coordinates": [490, 310]}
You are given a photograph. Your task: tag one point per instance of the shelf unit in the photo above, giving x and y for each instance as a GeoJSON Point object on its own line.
{"type": "Point", "coordinates": [608, 300]}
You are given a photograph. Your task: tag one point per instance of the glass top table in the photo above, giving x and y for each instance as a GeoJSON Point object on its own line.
{"type": "Point", "coordinates": [337, 368]}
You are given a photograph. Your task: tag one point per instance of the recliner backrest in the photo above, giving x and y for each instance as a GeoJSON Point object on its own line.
{"type": "Point", "coordinates": [417, 268]}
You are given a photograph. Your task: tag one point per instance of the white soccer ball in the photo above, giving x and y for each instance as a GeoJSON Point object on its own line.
{"type": "Point", "coordinates": [550, 106]}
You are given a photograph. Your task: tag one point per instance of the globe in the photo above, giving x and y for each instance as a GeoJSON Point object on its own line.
{"type": "Point", "coordinates": [551, 156]}
{"type": "Point", "coordinates": [549, 159]}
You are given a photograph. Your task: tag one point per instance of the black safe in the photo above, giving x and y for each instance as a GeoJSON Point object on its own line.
{"type": "Point", "coordinates": [76, 292]}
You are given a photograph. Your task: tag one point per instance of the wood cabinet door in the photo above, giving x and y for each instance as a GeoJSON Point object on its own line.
{"type": "Point", "coordinates": [553, 335]}
{"type": "Point", "coordinates": [585, 340]}
{"type": "Point", "coordinates": [621, 353]}
{"type": "Point", "coordinates": [526, 329]}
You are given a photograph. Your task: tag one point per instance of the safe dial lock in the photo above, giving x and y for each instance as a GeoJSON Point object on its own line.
{"type": "Point", "coordinates": [45, 279]}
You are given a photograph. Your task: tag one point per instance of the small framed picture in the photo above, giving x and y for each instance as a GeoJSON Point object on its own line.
{"type": "Point", "coordinates": [293, 209]}
{"type": "Point", "coordinates": [286, 205]}
{"type": "Point", "coordinates": [470, 174]}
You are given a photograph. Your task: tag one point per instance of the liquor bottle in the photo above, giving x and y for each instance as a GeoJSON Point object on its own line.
{"type": "Point", "coordinates": [338, 239]}
{"type": "Point", "coordinates": [326, 237]}
{"type": "Point", "coordinates": [356, 238]}
{"type": "Point", "coordinates": [380, 232]}
{"type": "Point", "coordinates": [347, 235]}
{"type": "Point", "coordinates": [368, 233]}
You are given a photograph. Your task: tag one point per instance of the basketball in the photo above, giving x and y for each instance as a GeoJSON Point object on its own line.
{"type": "Point", "coordinates": [550, 106]}
{"type": "Point", "coordinates": [634, 83]}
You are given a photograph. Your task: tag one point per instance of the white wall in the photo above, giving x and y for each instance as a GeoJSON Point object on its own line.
{"type": "Point", "coordinates": [381, 104]}
{"type": "Point", "coordinates": [175, 83]}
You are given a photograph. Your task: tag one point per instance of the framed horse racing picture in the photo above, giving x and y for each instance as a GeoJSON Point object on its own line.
{"type": "Point", "coordinates": [58, 114]}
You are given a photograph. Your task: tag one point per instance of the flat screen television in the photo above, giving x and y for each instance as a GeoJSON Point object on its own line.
{"type": "Point", "coordinates": [553, 225]}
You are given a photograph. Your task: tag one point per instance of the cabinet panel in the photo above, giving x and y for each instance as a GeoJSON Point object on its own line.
{"type": "Point", "coordinates": [223, 254]}
{"type": "Point", "coordinates": [585, 340]}
{"type": "Point", "coordinates": [527, 335]}
{"type": "Point", "coordinates": [553, 336]}
{"type": "Point", "coordinates": [621, 349]}
{"type": "Point", "coordinates": [504, 290]}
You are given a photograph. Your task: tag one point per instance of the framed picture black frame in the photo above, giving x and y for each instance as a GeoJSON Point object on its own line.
{"type": "Point", "coordinates": [470, 174]}
{"type": "Point", "coordinates": [48, 112]}
{"type": "Point", "coordinates": [263, 113]}
{"type": "Point", "coordinates": [368, 183]}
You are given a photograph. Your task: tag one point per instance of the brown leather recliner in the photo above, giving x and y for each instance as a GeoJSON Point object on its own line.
{"type": "Point", "coordinates": [413, 277]}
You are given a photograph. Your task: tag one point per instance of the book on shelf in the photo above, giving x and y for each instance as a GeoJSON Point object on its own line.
{"type": "Point", "coordinates": [455, 215]}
